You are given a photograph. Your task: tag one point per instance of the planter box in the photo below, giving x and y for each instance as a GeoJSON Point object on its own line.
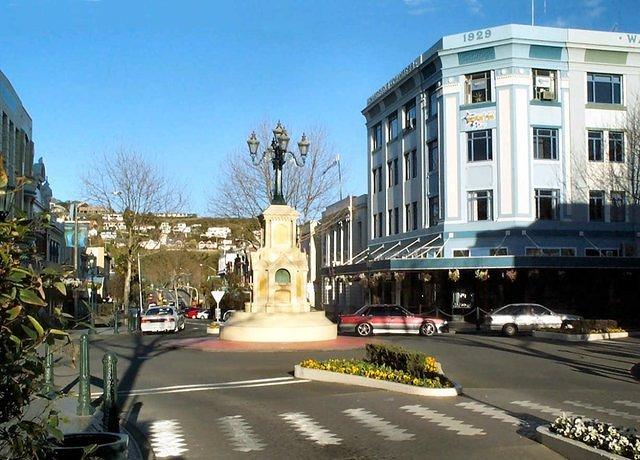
{"type": "Point", "coordinates": [111, 446]}
{"type": "Point", "coordinates": [579, 337]}
{"type": "Point", "coordinates": [213, 330]}
{"type": "Point", "coordinates": [336, 377]}
{"type": "Point", "coordinates": [570, 448]}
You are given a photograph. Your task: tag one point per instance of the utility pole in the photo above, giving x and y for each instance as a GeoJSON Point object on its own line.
{"type": "Point", "coordinates": [140, 282]}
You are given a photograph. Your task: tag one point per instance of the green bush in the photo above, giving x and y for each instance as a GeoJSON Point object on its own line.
{"type": "Point", "coordinates": [415, 363]}
{"type": "Point", "coordinates": [586, 326]}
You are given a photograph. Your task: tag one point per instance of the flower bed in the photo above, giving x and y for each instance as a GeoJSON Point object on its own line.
{"type": "Point", "coordinates": [391, 364]}
{"type": "Point", "coordinates": [603, 436]}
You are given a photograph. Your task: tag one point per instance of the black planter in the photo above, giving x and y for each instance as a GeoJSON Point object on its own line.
{"type": "Point", "coordinates": [111, 446]}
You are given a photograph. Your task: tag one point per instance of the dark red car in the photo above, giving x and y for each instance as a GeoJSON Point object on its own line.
{"type": "Point", "coordinates": [372, 319]}
{"type": "Point", "coordinates": [191, 312]}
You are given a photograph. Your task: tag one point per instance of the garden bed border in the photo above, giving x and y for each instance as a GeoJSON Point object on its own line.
{"type": "Point", "coordinates": [572, 448]}
{"type": "Point", "coordinates": [579, 337]}
{"type": "Point", "coordinates": [348, 379]}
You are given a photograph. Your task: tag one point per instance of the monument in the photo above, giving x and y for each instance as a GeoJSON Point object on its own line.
{"type": "Point", "coordinates": [279, 310]}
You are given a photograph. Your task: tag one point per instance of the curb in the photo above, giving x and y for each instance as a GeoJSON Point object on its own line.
{"type": "Point", "coordinates": [579, 337]}
{"type": "Point", "coordinates": [335, 377]}
{"type": "Point", "coordinates": [570, 448]}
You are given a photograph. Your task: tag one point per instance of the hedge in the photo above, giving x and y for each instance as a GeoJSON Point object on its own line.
{"type": "Point", "coordinates": [586, 326]}
{"type": "Point", "coordinates": [414, 363]}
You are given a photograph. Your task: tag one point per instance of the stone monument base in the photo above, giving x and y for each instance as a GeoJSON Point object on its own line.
{"type": "Point", "coordinates": [278, 327]}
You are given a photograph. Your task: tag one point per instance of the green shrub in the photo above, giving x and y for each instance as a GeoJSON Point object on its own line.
{"type": "Point", "coordinates": [586, 326]}
{"type": "Point", "coordinates": [415, 363]}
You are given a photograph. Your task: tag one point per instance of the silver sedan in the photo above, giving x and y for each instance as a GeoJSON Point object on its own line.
{"type": "Point", "coordinates": [516, 317]}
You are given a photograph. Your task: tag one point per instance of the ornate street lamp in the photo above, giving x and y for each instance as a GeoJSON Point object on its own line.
{"type": "Point", "coordinates": [278, 154]}
{"type": "Point", "coordinates": [7, 195]}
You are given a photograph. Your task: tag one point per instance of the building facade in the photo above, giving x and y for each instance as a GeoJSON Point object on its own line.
{"type": "Point", "coordinates": [494, 164]}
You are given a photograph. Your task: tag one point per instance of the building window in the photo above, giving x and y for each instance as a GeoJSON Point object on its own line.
{"type": "Point", "coordinates": [375, 226]}
{"type": "Point", "coordinates": [359, 226]}
{"type": "Point", "coordinates": [433, 155]}
{"type": "Point", "coordinates": [604, 88]}
{"type": "Point", "coordinates": [407, 217]}
{"type": "Point", "coordinates": [545, 143]}
{"type": "Point", "coordinates": [480, 205]}
{"type": "Point", "coordinates": [380, 224]}
{"type": "Point", "coordinates": [283, 276]}
{"type": "Point", "coordinates": [544, 85]}
{"type": "Point", "coordinates": [407, 166]}
{"type": "Point", "coordinates": [396, 220]}
{"type": "Point", "coordinates": [618, 207]}
{"type": "Point", "coordinates": [478, 87]}
{"type": "Point", "coordinates": [377, 136]}
{"type": "Point", "coordinates": [597, 252]}
{"type": "Point", "coordinates": [596, 205]}
{"type": "Point", "coordinates": [389, 173]}
{"type": "Point", "coordinates": [433, 102]}
{"type": "Point", "coordinates": [595, 146]}
{"type": "Point", "coordinates": [498, 252]}
{"type": "Point", "coordinates": [546, 204]}
{"type": "Point", "coordinates": [414, 163]}
{"type": "Point", "coordinates": [550, 252]}
{"type": "Point", "coordinates": [434, 211]}
{"type": "Point", "coordinates": [460, 253]}
{"type": "Point", "coordinates": [616, 146]}
{"type": "Point", "coordinates": [479, 145]}
{"type": "Point", "coordinates": [390, 222]}
{"type": "Point", "coordinates": [410, 115]}
{"type": "Point", "coordinates": [414, 214]}
{"type": "Point", "coordinates": [379, 178]}
{"type": "Point", "coordinates": [392, 126]}
{"type": "Point", "coordinates": [375, 179]}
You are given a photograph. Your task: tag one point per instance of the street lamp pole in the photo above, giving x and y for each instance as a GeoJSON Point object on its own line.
{"type": "Point", "coordinates": [140, 282]}
{"type": "Point", "coordinates": [278, 154]}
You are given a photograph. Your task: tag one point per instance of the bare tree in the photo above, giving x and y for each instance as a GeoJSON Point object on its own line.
{"type": "Point", "coordinates": [126, 182]}
{"type": "Point", "coordinates": [245, 190]}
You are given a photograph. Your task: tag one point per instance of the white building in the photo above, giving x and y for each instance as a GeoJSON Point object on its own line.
{"type": "Point", "coordinates": [218, 232]}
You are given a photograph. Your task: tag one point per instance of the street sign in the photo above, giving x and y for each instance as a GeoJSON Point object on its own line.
{"type": "Point", "coordinates": [217, 296]}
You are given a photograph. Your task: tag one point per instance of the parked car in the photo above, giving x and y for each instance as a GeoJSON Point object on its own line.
{"type": "Point", "coordinates": [192, 312]}
{"type": "Point", "coordinates": [516, 317]}
{"type": "Point", "coordinates": [162, 319]}
{"type": "Point", "coordinates": [203, 314]}
{"type": "Point", "coordinates": [372, 319]}
{"type": "Point", "coordinates": [227, 314]}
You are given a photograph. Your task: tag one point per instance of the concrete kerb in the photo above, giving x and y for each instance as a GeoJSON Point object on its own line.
{"type": "Point", "coordinates": [570, 448]}
{"type": "Point", "coordinates": [336, 377]}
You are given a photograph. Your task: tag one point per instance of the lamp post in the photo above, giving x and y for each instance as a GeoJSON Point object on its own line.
{"type": "Point", "coordinates": [278, 154]}
{"type": "Point", "coordinates": [7, 195]}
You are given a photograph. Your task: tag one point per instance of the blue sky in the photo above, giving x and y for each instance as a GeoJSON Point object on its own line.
{"type": "Point", "coordinates": [185, 82]}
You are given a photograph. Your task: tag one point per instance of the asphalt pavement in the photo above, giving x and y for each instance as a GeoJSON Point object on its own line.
{"type": "Point", "coordinates": [194, 404]}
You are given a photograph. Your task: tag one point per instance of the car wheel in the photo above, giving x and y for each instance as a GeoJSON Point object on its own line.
{"type": "Point", "coordinates": [364, 329]}
{"type": "Point", "coordinates": [510, 330]}
{"type": "Point", "coordinates": [427, 328]}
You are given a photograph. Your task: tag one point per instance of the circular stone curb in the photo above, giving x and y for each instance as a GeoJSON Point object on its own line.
{"type": "Point", "coordinates": [579, 337]}
{"type": "Point", "coordinates": [571, 448]}
{"type": "Point", "coordinates": [336, 377]}
{"type": "Point", "coordinates": [213, 330]}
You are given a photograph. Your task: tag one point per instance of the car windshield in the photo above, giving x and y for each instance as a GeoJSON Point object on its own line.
{"type": "Point", "coordinates": [361, 310]}
{"type": "Point", "coordinates": [159, 311]}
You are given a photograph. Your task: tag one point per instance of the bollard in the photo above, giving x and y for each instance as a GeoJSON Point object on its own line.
{"type": "Point", "coordinates": [109, 396]}
{"type": "Point", "coordinates": [48, 370]}
{"type": "Point", "coordinates": [116, 326]}
{"type": "Point", "coordinates": [84, 379]}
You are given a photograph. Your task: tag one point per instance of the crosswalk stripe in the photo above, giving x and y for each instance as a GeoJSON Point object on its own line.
{"type": "Point", "coordinates": [543, 408]}
{"type": "Point", "coordinates": [604, 410]}
{"type": "Point", "coordinates": [310, 429]}
{"type": "Point", "coordinates": [379, 425]}
{"type": "Point", "coordinates": [492, 412]}
{"type": "Point", "coordinates": [241, 434]}
{"type": "Point", "coordinates": [451, 424]}
{"type": "Point", "coordinates": [628, 403]}
{"type": "Point", "coordinates": [167, 439]}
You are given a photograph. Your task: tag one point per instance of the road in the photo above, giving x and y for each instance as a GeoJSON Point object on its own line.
{"type": "Point", "coordinates": [200, 405]}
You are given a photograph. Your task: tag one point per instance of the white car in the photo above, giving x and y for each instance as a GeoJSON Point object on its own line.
{"type": "Point", "coordinates": [516, 317]}
{"type": "Point", "coordinates": [203, 314]}
{"type": "Point", "coordinates": [162, 319]}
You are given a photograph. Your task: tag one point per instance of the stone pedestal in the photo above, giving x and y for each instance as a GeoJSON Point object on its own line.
{"type": "Point", "coordinates": [279, 310]}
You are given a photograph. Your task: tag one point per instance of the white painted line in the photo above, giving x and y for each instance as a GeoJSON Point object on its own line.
{"type": "Point", "coordinates": [241, 434]}
{"type": "Point", "coordinates": [450, 423]}
{"type": "Point", "coordinates": [166, 438]}
{"type": "Point", "coordinates": [310, 429]}
{"type": "Point", "coordinates": [604, 410]}
{"type": "Point", "coordinates": [543, 408]}
{"type": "Point", "coordinates": [210, 386]}
{"type": "Point", "coordinates": [492, 412]}
{"type": "Point", "coordinates": [379, 425]}
{"type": "Point", "coordinates": [628, 403]}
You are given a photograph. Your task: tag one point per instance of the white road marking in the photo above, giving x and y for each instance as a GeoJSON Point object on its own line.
{"type": "Point", "coordinates": [451, 424]}
{"type": "Point", "coordinates": [604, 410]}
{"type": "Point", "coordinates": [628, 403]}
{"type": "Point", "coordinates": [241, 434]}
{"type": "Point", "coordinates": [210, 386]}
{"type": "Point", "coordinates": [167, 439]}
{"type": "Point", "coordinates": [310, 429]}
{"type": "Point", "coordinates": [379, 425]}
{"type": "Point", "coordinates": [544, 409]}
{"type": "Point", "coordinates": [492, 412]}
